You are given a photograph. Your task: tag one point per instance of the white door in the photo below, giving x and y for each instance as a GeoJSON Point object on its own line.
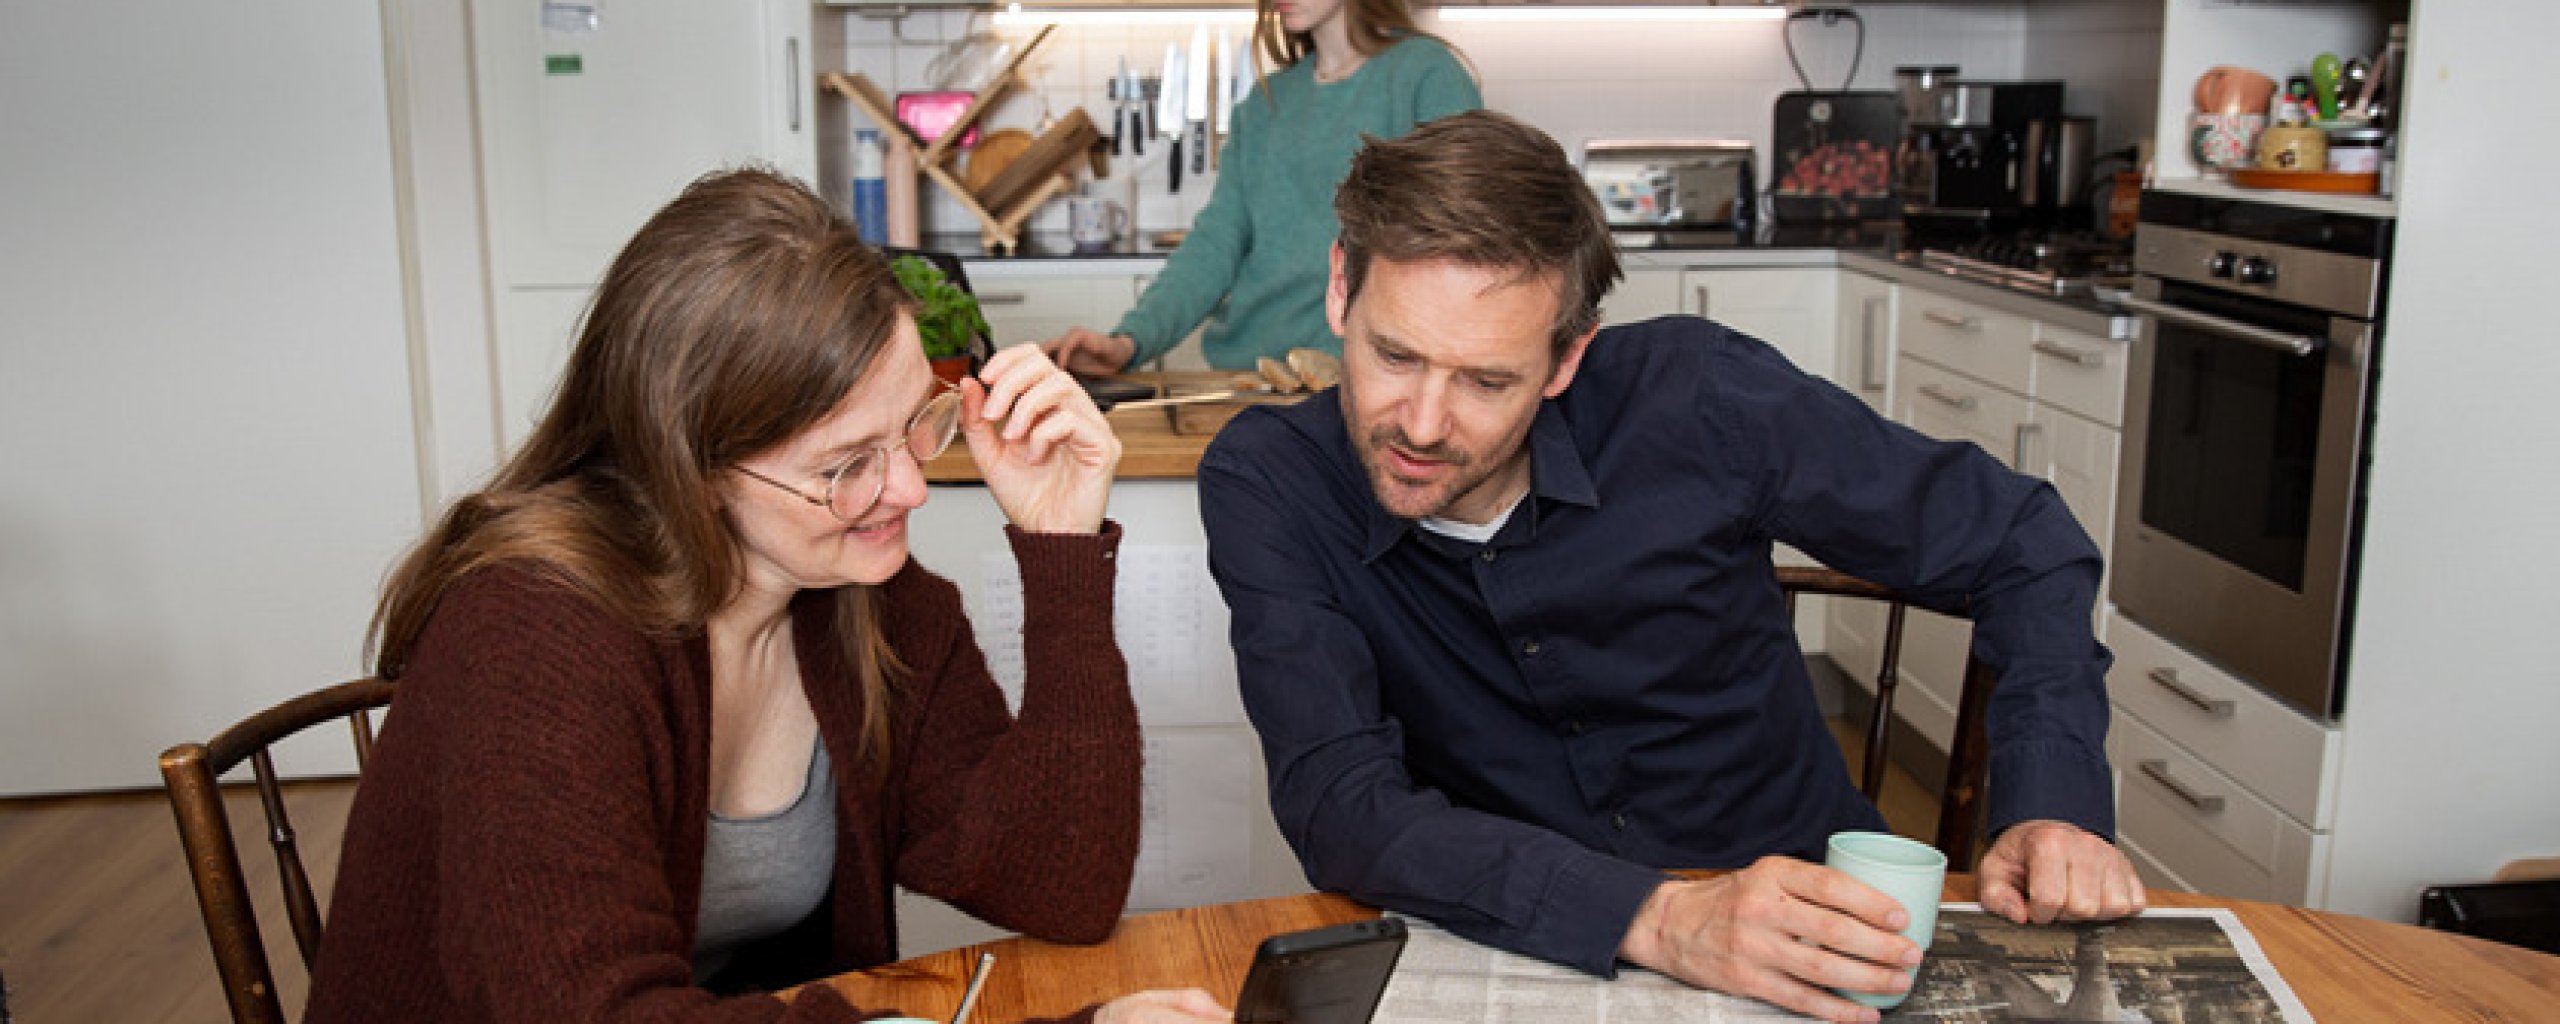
{"type": "Point", "coordinates": [586, 129]}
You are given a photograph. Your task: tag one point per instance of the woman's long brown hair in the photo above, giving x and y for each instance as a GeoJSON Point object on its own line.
{"type": "Point", "coordinates": [741, 313]}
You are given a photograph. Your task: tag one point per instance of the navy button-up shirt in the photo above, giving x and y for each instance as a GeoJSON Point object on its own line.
{"type": "Point", "coordinates": [1514, 738]}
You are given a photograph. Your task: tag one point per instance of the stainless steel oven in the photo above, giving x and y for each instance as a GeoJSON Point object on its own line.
{"type": "Point", "coordinates": [2245, 429]}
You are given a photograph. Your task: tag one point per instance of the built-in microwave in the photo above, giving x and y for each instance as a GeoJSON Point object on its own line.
{"type": "Point", "coordinates": [2247, 419]}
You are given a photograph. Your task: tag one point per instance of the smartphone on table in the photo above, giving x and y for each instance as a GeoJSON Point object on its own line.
{"type": "Point", "coordinates": [1329, 975]}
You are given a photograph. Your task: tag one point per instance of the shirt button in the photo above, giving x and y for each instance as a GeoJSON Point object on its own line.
{"type": "Point", "coordinates": [1486, 554]}
{"type": "Point", "coordinates": [1529, 648]}
{"type": "Point", "coordinates": [1618, 821]}
{"type": "Point", "coordinates": [1573, 726]}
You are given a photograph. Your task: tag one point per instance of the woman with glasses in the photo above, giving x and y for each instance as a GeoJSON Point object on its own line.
{"type": "Point", "coordinates": [675, 708]}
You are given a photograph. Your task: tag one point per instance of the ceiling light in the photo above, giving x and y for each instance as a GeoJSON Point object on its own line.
{"type": "Point", "coordinates": [1014, 16]}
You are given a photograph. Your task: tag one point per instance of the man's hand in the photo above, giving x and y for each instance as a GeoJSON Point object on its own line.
{"type": "Point", "coordinates": [1781, 931]}
{"type": "Point", "coordinates": [1091, 353]}
{"type": "Point", "coordinates": [2045, 871]}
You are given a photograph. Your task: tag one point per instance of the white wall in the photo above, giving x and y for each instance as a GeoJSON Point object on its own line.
{"type": "Point", "coordinates": [2454, 689]}
{"type": "Point", "coordinates": [206, 397]}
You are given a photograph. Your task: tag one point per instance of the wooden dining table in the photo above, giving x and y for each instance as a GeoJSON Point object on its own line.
{"type": "Point", "coordinates": [2346, 969]}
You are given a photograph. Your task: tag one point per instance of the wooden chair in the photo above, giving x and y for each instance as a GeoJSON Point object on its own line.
{"type": "Point", "coordinates": [1960, 807]}
{"type": "Point", "coordinates": [192, 771]}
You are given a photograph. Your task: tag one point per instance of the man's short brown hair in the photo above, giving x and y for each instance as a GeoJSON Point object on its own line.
{"type": "Point", "coordinates": [1483, 190]}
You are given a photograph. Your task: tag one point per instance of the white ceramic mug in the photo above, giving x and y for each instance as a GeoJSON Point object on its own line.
{"type": "Point", "coordinates": [1093, 222]}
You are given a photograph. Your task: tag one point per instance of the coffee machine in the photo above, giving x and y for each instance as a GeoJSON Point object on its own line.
{"type": "Point", "coordinates": [1987, 154]}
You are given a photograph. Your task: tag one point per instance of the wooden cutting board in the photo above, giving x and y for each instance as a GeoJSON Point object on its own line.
{"type": "Point", "coordinates": [994, 152]}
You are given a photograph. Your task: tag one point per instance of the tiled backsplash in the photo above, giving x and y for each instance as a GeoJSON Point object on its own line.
{"type": "Point", "coordinates": [1681, 79]}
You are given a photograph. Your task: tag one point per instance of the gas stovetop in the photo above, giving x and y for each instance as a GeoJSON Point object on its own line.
{"type": "Point", "coordinates": [2044, 264]}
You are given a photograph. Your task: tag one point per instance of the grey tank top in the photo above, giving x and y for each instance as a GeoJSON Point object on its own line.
{"type": "Point", "coordinates": [763, 875]}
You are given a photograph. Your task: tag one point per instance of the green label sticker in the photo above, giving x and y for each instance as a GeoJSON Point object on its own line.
{"type": "Point", "coordinates": [564, 64]}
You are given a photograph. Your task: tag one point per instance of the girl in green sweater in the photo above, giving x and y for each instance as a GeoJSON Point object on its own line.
{"type": "Point", "coordinates": [1253, 264]}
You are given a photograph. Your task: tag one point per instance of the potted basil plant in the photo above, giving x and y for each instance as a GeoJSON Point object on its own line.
{"type": "Point", "coordinates": [947, 318]}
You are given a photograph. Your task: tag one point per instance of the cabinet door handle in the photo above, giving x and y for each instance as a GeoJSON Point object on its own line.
{"type": "Point", "coordinates": [1870, 343]}
{"type": "Point", "coordinates": [1961, 403]}
{"type": "Point", "coordinates": [1001, 298]}
{"type": "Point", "coordinates": [2074, 356]}
{"type": "Point", "coordinates": [2018, 445]}
{"type": "Point", "coordinates": [1945, 319]}
{"type": "Point", "coordinates": [791, 78]}
{"type": "Point", "coordinates": [1702, 302]}
{"type": "Point", "coordinates": [2213, 707]}
{"type": "Point", "coordinates": [2158, 771]}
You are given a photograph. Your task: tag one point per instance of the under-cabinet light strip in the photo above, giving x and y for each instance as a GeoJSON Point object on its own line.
{"type": "Point", "coordinates": [1554, 14]}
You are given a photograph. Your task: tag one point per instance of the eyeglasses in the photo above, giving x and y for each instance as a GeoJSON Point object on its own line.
{"type": "Point", "coordinates": [856, 485]}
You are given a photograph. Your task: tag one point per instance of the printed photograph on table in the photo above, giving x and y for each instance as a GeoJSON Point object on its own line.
{"type": "Point", "coordinates": [2165, 965]}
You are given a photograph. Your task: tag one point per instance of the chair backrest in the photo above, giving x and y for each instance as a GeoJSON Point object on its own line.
{"type": "Point", "coordinates": [192, 772]}
{"type": "Point", "coordinates": [1960, 805]}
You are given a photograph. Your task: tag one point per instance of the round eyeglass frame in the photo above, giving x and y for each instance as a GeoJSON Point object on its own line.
{"type": "Point", "coordinates": [940, 416]}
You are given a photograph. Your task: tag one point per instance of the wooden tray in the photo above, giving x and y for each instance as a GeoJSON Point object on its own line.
{"type": "Point", "coordinates": [2358, 183]}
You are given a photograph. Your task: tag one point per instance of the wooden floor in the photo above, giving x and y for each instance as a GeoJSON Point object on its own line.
{"type": "Point", "coordinates": [99, 923]}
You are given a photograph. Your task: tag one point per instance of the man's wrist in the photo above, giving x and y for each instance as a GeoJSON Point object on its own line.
{"type": "Point", "coordinates": [1643, 942]}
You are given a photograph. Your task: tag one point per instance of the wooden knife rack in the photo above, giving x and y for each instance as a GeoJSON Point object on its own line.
{"type": "Point", "coordinates": [1008, 199]}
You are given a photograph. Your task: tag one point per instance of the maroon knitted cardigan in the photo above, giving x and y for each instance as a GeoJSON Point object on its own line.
{"type": "Point", "coordinates": [527, 842]}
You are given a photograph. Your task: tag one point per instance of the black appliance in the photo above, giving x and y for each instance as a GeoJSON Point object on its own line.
{"type": "Point", "coordinates": [1985, 152]}
{"type": "Point", "coordinates": [1835, 156]}
{"type": "Point", "coordinates": [2245, 444]}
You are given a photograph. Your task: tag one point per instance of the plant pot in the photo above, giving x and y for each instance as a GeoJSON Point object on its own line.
{"type": "Point", "coordinates": [951, 368]}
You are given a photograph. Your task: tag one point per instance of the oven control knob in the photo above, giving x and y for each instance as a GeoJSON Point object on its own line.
{"type": "Point", "coordinates": [2255, 270]}
{"type": "Point", "coordinates": [2220, 264]}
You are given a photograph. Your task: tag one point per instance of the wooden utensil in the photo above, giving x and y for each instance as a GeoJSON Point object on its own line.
{"type": "Point", "coordinates": [995, 151]}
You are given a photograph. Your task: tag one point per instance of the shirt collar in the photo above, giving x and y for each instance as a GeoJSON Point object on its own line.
{"type": "Point", "coordinates": [1556, 472]}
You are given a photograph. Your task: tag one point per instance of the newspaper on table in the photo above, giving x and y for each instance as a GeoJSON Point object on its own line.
{"type": "Point", "coordinates": [2168, 964]}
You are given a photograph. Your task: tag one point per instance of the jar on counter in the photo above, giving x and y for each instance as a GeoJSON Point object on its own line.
{"type": "Point", "coordinates": [2356, 150]}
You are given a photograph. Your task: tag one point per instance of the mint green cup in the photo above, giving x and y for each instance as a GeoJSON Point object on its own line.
{"type": "Point", "coordinates": [1913, 873]}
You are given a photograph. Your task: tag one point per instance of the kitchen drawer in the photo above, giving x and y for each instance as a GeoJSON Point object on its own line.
{"type": "Point", "coordinates": [1954, 407]}
{"type": "Point", "coordinates": [2081, 372]}
{"type": "Point", "coordinates": [2270, 749]}
{"type": "Point", "coordinates": [1959, 335]}
{"type": "Point", "coordinates": [2199, 826]}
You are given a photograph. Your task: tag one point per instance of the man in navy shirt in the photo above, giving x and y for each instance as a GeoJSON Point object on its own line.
{"type": "Point", "coordinates": [1506, 620]}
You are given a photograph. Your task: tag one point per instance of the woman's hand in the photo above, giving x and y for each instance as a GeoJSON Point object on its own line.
{"type": "Point", "coordinates": [1089, 352]}
{"type": "Point", "coordinates": [1044, 450]}
{"type": "Point", "coordinates": [1162, 1006]}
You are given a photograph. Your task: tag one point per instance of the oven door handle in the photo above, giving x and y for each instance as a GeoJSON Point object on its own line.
{"type": "Point", "coordinates": [2294, 344]}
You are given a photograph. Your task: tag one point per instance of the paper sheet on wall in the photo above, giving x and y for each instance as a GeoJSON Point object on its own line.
{"type": "Point", "coordinates": [1195, 842]}
{"type": "Point", "coordinates": [1169, 621]}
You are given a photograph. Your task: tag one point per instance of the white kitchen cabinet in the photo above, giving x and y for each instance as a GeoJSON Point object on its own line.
{"type": "Point", "coordinates": [1862, 362]}
{"type": "Point", "coordinates": [1864, 354]}
{"type": "Point", "coordinates": [1645, 293]}
{"type": "Point", "coordinates": [1788, 307]}
{"type": "Point", "coordinates": [1029, 309]}
{"type": "Point", "coordinates": [586, 131]}
{"type": "Point", "coordinates": [2043, 399]}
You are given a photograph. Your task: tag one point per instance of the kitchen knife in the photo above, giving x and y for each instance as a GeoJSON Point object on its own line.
{"type": "Point", "coordinates": [1120, 110]}
{"type": "Point", "coordinates": [1195, 89]}
{"type": "Point", "coordinates": [1169, 111]}
{"type": "Point", "coordinates": [1226, 85]}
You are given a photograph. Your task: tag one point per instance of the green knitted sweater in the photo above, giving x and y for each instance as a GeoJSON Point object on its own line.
{"type": "Point", "coordinates": [1254, 262]}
